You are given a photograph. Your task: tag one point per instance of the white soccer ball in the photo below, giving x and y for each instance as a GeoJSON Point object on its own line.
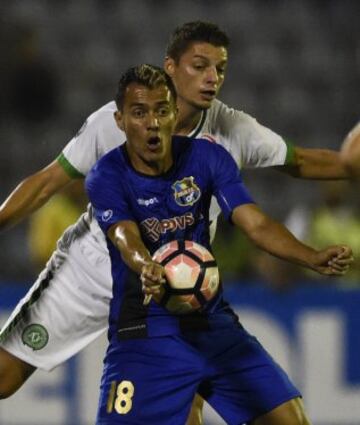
{"type": "Point", "coordinates": [192, 276]}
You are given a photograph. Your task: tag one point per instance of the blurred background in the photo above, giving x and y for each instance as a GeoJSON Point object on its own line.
{"type": "Point", "coordinates": [295, 66]}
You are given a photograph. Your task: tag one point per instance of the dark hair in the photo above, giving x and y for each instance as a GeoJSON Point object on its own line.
{"type": "Point", "coordinates": [190, 32]}
{"type": "Point", "coordinates": [150, 76]}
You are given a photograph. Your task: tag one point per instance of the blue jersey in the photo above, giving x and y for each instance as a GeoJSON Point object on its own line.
{"type": "Point", "coordinates": [170, 206]}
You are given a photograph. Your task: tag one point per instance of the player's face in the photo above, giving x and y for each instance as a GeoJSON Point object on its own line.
{"type": "Point", "coordinates": [148, 119]}
{"type": "Point", "coordinates": [199, 74]}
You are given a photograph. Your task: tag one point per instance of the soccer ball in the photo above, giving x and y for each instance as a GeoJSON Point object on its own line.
{"type": "Point", "coordinates": [192, 276]}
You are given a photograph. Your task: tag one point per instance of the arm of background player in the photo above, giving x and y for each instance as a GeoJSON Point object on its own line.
{"type": "Point", "coordinates": [275, 239]}
{"type": "Point", "coordinates": [125, 235]}
{"type": "Point", "coordinates": [315, 164]}
{"type": "Point", "coordinates": [32, 193]}
{"type": "Point", "coordinates": [350, 152]}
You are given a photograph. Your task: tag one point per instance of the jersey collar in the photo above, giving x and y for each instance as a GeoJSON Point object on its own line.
{"type": "Point", "coordinates": [194, 133]}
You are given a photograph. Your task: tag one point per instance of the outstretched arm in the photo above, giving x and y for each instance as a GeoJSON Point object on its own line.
{"type": "Point", "coordinates": [350, 152]}
{"type": "Point", "coordinates": [32, 193]}
{"type": "Point", "coordinates": [125, 235]}
{"type": "Point", "coordinates": [322, 164]}
{"type": "Point", "coordinates": [274, 238]}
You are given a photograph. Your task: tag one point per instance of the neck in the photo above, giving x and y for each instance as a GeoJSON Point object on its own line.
{"type": "Point", "coordinates": [187, 119]}
{"type": "Point", "coordinates": [149, 167]}
{"type": "Point", "coordinates": [155, 168]}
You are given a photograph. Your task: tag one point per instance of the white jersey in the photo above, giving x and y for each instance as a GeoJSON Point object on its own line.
{"type": "Point", "coordinates": [250, 143]}
{"type": "Point", "coordinates": [68, 305]}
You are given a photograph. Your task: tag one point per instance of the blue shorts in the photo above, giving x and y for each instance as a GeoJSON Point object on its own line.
{"type": "Point", "coordinates": [154, 380]}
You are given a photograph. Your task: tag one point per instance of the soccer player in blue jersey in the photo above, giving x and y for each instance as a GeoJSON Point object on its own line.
{"type": "Point", "coordinates": [156, 361]}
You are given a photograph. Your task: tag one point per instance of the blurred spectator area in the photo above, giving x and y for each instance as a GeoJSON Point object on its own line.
{"type": "Point", "coordinates": [294, 65]}
{"type": "Point", "coordinates": [47, 224]}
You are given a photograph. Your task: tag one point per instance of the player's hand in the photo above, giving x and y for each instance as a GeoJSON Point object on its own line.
{"type": "Point", "coordinates": [152, 277]}
{"type": "Point", "coordinates": [334, 260]}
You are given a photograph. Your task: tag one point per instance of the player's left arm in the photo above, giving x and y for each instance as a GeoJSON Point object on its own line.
{"type": "Point", "coordinates": [315, 164]}
{"type": "Point", "coordinates": [274, 238]}
{"type": "Point", "coordinates": [237, 205]}
{"type": "Point", "coordinates": [125, 235]}
{"type": "Point", "coordinates": [350, 152]}
{"type": "Point", "coordinates": [258, 146]}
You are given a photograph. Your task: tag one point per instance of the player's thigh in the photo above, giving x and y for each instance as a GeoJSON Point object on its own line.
{"type": "Point", "coordinates": [13, 373]}
{"type": "Point", "coordinates": [65, 309]}
{"type": "Point", "coordinates": [289, 413]}
{"type": "Point", "coordinates": [148, 381]}
{"type": "Point", "coordinates": [247, 381]}
{"type": "Point", "coordinates": [196, 413]}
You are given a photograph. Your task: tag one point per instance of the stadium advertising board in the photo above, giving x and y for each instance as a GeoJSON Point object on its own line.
{"type": "Point", "coordinates": [312, 332]}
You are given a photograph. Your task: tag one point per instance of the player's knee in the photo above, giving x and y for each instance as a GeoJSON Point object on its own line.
{"type": "Point", "coordinates": [13, 373]}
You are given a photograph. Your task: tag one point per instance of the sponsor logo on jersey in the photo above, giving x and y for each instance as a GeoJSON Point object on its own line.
{"type": "Point", "coordinates": [35, 336]}
{"type": "Point", "coordinates": [106, 215]}
{"type": "Point", "coordinates": [148, 202]}
{"type": "Point", "coordinates": [154, 227]}
{"type": "Point", "coordinates": [186, 191]}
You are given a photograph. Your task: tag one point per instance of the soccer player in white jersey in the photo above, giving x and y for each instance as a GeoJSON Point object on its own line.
{"type": "Point", "coordinates": [350, 152]}
{"type": "Point", "coordinates": [76, 283]}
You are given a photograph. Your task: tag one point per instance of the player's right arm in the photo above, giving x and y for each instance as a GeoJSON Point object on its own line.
{"type": "Point", "coordinates": [98, 134]}
{"type": "Point", "coordinates": [32, 193]}
{"type": "Point", "coordinates": [125, 235]}
{"type": "Point", "coordinates": [108, 195]}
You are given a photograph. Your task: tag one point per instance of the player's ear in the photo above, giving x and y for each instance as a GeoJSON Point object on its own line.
{"type": "Point", "coordinates": [119, 119]}
{"type": "Point", "coordinates": [169, 66]}
{"type": "Point", "coordinates": [176, 110]}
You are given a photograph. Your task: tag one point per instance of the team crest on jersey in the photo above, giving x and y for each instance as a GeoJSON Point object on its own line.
{"type": "Point", "coordinates": [35, 336]}
{"type": "Point", "coordinates": [186, 191]}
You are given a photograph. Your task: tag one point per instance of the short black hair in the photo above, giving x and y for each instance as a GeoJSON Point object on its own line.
{"type": "Point", "coordinates": [191, 32]}
{"type": "Point", "coordinates": [147, 75]}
